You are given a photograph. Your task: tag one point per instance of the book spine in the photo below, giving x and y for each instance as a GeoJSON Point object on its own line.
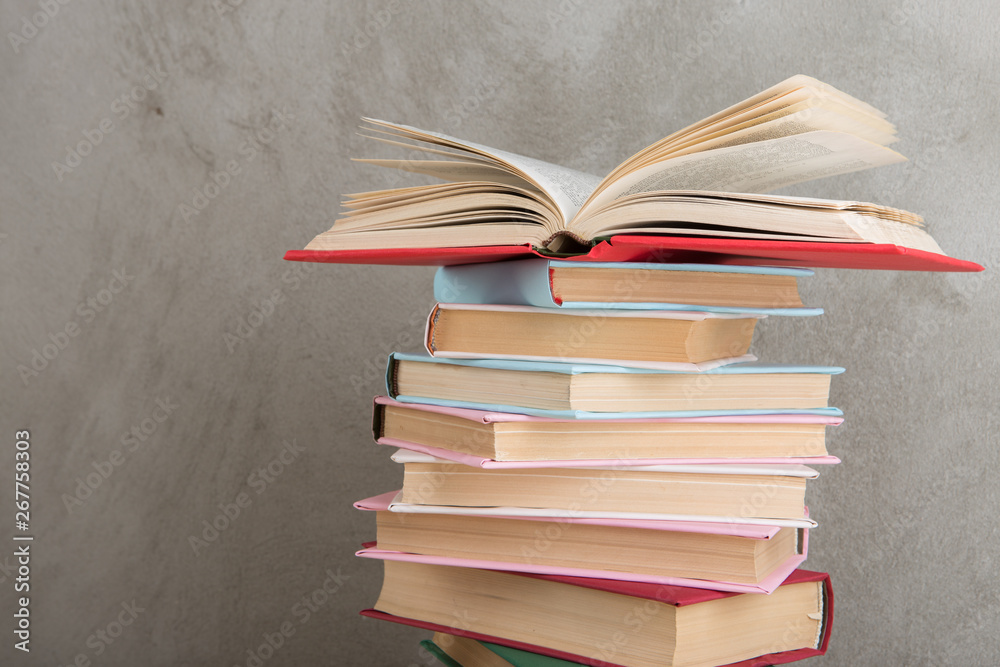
{"type": "Point", "coordinates": [391, 384]}
{"type": "Point", "coordinates": [378, 421]}
{"type": "Point", "coordinates": [518, 283]}
{"type": "Point", "coordinates": [429, 332]}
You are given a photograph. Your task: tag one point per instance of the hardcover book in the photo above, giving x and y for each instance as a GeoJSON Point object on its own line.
{"type": "Point", "coordinates": [510, 440]}
{"type": "Point", "coordinates": [606, 623]}
{"type": "Point", "coordinates": [673, 340]}
{"type": "Point", "coordinates": [742, 558]}
{"type": "Point", "coordinates": [625, 285]}
{"type": "Point", "coordinates": [607, 391]}
{"type": "Point", "coordinates": [698, 182]}
{"type": "Point", "coordinates": [772, 494]}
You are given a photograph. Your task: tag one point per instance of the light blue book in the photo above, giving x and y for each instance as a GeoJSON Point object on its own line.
{"type": "Point", "coordinates": [496, 391]}
{"type": "Point", "coordinates": [529, 282]}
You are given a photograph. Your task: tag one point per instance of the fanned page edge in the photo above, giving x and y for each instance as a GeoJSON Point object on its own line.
{"type": "Point", "coordinates": [567, 188]}
{"type": "Point", "coordinates": [790, 84]}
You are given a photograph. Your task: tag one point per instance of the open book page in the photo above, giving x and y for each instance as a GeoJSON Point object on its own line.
{"type": "Point", "coordinates": [790, 91]}
{"type": "Point", "coordinates": [789, 85]}
{"type": "Point", "coordinates": [796, 119]}
{"type": "Point", "coordinates": [754, 167]}
{"type": "Point", "coordinates": [772, 217]}
{"type": "Point", "coordinates": [882, 211]}
{"type": "Point", "coordinates": [847, 119]}
{"type": "Point", "coordinates": [453, 232]}
{"type": "Point", "coordinates": [878, 231]}
{"type": "Point", "coordinates": [469, 203]}
{"type": "Point", "coordinates": [454, 170]}
{"type": "Point", "coordinates": [796, 94]}
{"type": "Point", "coordinates": [567, 188]}
{"type": "Point", "coordinates": [444, 215]}
{"type": "Point", "coordinates": [706, 217]}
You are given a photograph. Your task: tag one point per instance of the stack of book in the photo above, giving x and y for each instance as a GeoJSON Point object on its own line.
{"type": "Point", "coordinates": [595, 470]}
{"type": "Point", "coordinates": [586, 467]}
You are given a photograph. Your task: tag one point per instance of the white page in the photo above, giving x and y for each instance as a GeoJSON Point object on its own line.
{"type": "Point", "coordinates": [568, 188]}
{"type": "Point", "coordinates": [755, 167]}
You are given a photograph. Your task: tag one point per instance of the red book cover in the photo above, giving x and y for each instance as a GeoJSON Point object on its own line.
{"type": "Point", "coordinates": [673, 249]}
{"type": "Point", "coordinates": [675, 595]}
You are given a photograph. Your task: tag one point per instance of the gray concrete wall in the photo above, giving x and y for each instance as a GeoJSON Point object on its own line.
{"type": "Point", "coordinates": [908, 522]}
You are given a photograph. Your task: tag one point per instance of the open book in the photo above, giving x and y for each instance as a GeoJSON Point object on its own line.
{"type": "Point", "coordinates": [697, 182]}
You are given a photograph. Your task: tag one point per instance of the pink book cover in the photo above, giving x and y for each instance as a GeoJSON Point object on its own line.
{"type": "Point", "coordinates": [495, 417]}
{"type": "Point", "coordinates": [767, 585]}
{"type": "Point", "coordinates": [756, 531]}
{"type": "Point", "coordinates": [382, 503]}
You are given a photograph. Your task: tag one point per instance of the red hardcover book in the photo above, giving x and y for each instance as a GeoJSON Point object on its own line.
{"type": "Point", "coordinates": [673, 249]}
{"type": "Point", "coordinates": [674, 595]}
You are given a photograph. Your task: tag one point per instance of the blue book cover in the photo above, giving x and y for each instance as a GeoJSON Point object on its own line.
{"type": "Point", "coordinates": [575, 369]}
{"type": "Point", "coordinates": [527, 283]}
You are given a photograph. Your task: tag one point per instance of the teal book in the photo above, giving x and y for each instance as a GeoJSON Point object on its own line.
{"type": "Point", "coordinates": [519, 658]}
{"type": "Point", "coordinates": [547, 283]}
{"type": "Point", "coordinates": [439, 653]}
{"type": "Point", "coordinates": [512, 656]}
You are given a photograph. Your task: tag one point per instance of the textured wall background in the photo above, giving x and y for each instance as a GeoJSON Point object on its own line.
{"type": "Point", "coordinates": [274, 91]}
